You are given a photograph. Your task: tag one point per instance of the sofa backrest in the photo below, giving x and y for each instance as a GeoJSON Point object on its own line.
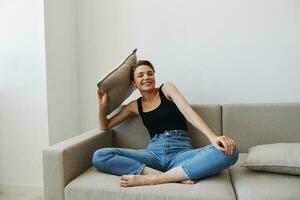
{"type": "Point", "coordinates": [248, 124]}
{"type": "Point", "coordinates": [264, 123]}
{"type": "Point", "coordinates": [132, 134]}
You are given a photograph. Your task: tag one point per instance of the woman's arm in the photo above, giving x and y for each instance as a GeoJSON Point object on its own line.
{"type": "Point", "coordinates": [105, 123]}
{"type": "Point", "coordinates": [196, 120]}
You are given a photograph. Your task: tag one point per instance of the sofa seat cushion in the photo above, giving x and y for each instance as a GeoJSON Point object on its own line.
{"type": "Point", "coordinates": [94, 185]}
{"type": "Point", "coordinates": [250, 184]}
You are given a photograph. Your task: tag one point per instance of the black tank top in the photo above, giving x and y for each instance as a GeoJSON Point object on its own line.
{"type": "Point", "coordinates": [165, 117]}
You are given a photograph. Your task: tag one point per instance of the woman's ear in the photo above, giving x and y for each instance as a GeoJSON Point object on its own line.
{"type": "Point", "coordinates": [133, 83]}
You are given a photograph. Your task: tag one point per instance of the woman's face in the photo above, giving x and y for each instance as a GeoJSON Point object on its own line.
{"type": "Point", "coordinates": [144, 78]}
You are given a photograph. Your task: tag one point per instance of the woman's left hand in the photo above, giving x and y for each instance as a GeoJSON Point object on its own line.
{"type": "Point", "coordinates": [223, 143]}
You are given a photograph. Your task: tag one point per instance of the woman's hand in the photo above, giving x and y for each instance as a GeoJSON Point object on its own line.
{"type": "Point", "coordinates": [223, 143]}
{"type": "Point", "coordinates": [102, 98]}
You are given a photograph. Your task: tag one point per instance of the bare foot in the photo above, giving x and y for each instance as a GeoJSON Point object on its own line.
{"type": "Point", "coordinates": [135, 180]}
{"type": "Point", "coordinates": [189, 181]}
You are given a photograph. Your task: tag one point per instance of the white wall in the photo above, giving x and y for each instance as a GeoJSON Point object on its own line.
{"type": "Point", "coordinates": [62, 69]}
{"type": "Point", "coordinates": [23, 100]}
{"type": "Point", "coordinates": [214, 51]}
{"type": "Point", "coordinates": [104, 40]}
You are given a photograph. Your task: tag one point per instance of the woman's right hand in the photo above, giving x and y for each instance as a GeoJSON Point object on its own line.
{"type": "Point", "coordinates": [102, 98]}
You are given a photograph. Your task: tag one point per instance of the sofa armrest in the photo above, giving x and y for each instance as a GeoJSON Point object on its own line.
{"type": "Point", "coordinates": [66, 160]}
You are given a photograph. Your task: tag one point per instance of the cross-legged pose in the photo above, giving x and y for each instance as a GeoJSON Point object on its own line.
{"type": "Point", "coordinates": [169, 156]}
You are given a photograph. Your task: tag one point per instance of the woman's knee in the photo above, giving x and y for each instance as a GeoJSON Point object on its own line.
{"type": "Point", "coordinates": [224, 160]}
{"type": "Point", "coordinates": [232, 159]}
{"type": "Point", "coordinates": [100, 156]}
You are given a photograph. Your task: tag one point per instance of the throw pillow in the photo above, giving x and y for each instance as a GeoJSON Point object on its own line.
{"type": "Point", "coordinates": [278, 157]}
{"type": "Point", "coordinates": [117, 83]}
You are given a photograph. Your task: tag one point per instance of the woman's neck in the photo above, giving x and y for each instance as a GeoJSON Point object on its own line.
{"type": "Point", "coordinates": [148, 96]}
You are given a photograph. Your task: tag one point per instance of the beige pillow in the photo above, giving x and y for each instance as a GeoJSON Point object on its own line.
{"type": "Point", "coordinates": [279, 158]}
{"type": "Point", "coordinates": [117, 82]}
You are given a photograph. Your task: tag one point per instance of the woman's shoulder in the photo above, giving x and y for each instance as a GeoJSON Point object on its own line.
{"type": "Point", "coordinates": [168, 88]}
{"type": "Point", "coordinates": [167, 84]}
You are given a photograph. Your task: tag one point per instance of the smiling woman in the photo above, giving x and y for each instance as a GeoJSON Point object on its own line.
{"type": "Point", "coordinates": [164, 112]}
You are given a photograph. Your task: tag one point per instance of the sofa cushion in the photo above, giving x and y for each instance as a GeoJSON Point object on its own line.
{"type": "Point", "coordinates": [118, 83]}
{"type": "Point", "coordinates": [250, 184]}
{"type": "Point", "coordinates": [94, 185]}
{"type": "Point", "coordinates": [132, 133]}
{"type": "Point", "coordinates": [262, 123]}
{"type": "Point", "coordinates": [279, 157]}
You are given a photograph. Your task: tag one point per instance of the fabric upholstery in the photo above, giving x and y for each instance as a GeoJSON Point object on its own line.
{"type": "Point", "coordinates": [94, 185]}
{"type": "Point", "coordinates": [254, 124]}
{"type": "Point", "coordinates": [118, 84]}
{"type": "Point", "coordinates": [279, 157]}
{"type": "Point", "coordinates": [211, 114]}
{"type": "Point", "coordinates": [250, 184]}
{"type": "Point", "coordinates": [132, 134]}
{"type": "Point", "coordinates": [66, 160]}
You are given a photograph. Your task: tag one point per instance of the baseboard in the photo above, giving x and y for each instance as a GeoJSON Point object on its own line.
{"type": "Point", "coordinates": [22, 189]}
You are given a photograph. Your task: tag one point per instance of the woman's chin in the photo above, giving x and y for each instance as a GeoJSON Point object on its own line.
{"type": "Point", "coordinates": [147, 88]}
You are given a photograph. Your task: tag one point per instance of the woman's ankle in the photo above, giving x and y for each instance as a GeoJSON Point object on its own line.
{"type": "Point", "coordinates": [148, 170]}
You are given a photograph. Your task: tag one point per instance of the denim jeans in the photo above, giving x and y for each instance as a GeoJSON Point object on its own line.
{"type": "Point", "coordinates": [164, 152]}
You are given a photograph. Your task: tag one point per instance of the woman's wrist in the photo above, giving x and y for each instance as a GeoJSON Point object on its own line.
{"type": "Point", "coordinates": [211, 137]}
{"type": "Point", "coordinates": [102, 107]}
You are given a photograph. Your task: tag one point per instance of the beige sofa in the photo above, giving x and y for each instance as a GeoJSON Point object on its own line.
{"type": "Point", "coordinates": [69, 174]}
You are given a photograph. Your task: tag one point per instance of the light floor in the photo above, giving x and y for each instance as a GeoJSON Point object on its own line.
{"type": "Point", "coordinates": [9, 196]}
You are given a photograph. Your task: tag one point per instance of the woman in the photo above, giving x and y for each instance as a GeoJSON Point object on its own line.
{"type": "Point", "coordinates": [169, 156]}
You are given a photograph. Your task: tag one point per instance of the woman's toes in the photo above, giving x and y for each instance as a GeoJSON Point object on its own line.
{"type": "Point", "coordinates": [189, 181]}
{"type": "Point", "coordinates": [186, 182]}
{"type": "Point", "coordinates": [125, 178]}
{"type": "Point", "coordinates": [123, 183]}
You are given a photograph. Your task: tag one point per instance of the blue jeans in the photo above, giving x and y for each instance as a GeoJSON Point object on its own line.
{"type": "Point", "coordinates": [164, 152]}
